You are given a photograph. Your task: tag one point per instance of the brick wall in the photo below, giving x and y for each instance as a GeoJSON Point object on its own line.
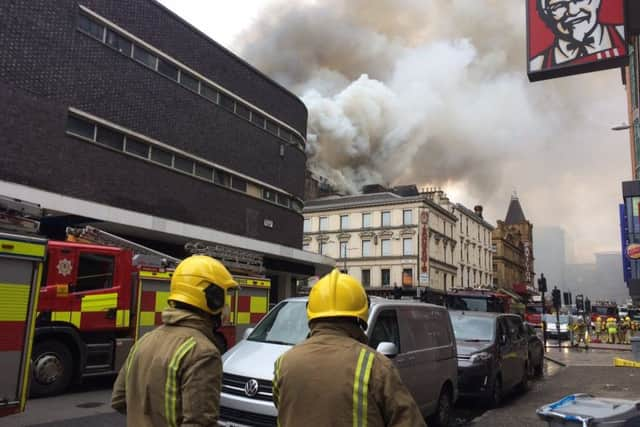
{"type": "Point", "coordinates": [47, 66]}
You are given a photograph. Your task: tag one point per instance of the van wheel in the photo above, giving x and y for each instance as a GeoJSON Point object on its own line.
{"type": "Point", "coordinates": [495, 393]}
{"type": "Point", "coordinates": [443, 413]}
{"type": "Point", "coordinates": [51, 368]}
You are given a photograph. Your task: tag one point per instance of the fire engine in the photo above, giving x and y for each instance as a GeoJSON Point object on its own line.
{"type": "Point", "coordinates": [21, 268]}
{"type": "Point", "coordinates": [604, 309]}
{"type": "Point", "coordinates": [99, 293]}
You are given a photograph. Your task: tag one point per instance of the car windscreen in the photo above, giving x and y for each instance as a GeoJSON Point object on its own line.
{"type": "Point", "coordinates": [551, 318]}
{"type": "Point", "coordinates": [604, 311]}
{"type": "Point", "coordinates": [458, 302]}
{"type": "Point", "coordinates": [534, 309]}
{"type": "Point", "coordinates": [285, 324]}
{"type": "Point", "coordinates": [472, 328]}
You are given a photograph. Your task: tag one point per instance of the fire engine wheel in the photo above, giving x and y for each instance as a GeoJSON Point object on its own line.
{"type": "Point", "coordinates": [51, 368]}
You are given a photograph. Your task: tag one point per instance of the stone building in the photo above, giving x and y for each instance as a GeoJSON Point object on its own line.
{"type": "Point", "coordinates": [378, 237]}
{"type": "Point", "coordinates": [513, 250]}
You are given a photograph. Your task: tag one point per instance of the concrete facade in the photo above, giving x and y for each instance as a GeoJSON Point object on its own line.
{"type": "Point", "coordinates": [375, 238]}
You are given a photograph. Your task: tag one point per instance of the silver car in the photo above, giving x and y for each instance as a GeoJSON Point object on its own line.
{"type": "Point", "coordinates": [419, 337]}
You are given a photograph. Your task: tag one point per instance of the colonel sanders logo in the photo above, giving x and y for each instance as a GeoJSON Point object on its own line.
{"type": "Point", "coordinates": [582, 31]}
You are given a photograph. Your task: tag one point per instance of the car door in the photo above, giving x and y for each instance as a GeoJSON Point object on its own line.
{"type": "Point", "coordinates": [519, 349]}
{"type": "Point", "coordinates": [505, 353]}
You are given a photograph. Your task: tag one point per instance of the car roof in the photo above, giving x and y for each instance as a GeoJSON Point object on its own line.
{"type": "Point", "coordinates": [482, 314]}
{"type": "Point", "coordinates": [379, 301]}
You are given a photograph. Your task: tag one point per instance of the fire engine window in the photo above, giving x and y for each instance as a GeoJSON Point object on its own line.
{"type": "Point", "coordinates": [94, 272]}
{"type": "Point", "coordinates": [80, 127]}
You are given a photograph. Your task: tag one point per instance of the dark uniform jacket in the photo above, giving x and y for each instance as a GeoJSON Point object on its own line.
{"type": "Point", "coordinates": [172, 376]}
{"type": "Point", "coordinates": [334, 379]}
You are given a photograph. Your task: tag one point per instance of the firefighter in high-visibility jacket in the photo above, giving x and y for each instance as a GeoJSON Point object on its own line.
{"type": "Point", "coordinates": [173, 374]}
{"type": "Point", "coordinates": [333, 378]}
{"type": "Point", "coordinates": [612, 330]}
{"type": "Point", "coordinates": [627, 328]}
{"type": "Point", "coordinates": [598, 329]}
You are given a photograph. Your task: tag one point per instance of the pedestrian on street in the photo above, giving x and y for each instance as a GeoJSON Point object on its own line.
{"type": "Point", "coordinates": [333, 378]}
{"type": "Point", "coordinates": [172, 376]}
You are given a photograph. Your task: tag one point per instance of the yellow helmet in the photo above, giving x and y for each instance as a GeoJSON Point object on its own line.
{"type": "Point", "coordinates": [598, 319]}
{"type": "Point", "coordinates": [627, 318]}
{"type": "Point", "coordinates": [202, 282]}
{"type": "Point", "coordinates": [338, 295]}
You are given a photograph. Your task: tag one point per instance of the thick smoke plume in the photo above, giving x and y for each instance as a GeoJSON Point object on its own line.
{"type": "Point", "coordinates": [434, 92]}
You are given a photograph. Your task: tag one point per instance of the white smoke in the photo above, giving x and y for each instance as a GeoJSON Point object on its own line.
{"type": "Point", "coordinates": [435, 92]}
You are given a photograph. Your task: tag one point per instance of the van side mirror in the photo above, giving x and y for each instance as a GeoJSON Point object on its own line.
{"type": "Point", "coordinates": [246, 333]}
{"type": "Point", "coordinates": [389, 349]}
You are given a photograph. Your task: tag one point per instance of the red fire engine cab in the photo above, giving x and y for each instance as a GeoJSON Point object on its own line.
{"type": "Point", "coordinates": [96, 300]}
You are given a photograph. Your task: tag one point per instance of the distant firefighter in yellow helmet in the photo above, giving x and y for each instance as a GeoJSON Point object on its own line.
{"type": "Point", "coordinates": [612, 330]}
{"type": "Point", "coordinates": [598, 329]}
{"type": "Point", "coordinates": [333, 378]}
{"type": "Point", "coordinates": [173, 374]}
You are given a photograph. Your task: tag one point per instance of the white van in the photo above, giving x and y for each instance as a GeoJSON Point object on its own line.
{"type": "Point", "coordinates": [418, 336]}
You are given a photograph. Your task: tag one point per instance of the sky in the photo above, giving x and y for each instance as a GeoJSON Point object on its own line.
{"type": "Point", "coordinates": [434, 92]}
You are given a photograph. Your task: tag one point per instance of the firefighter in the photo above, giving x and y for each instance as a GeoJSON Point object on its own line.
{"type": "Point", "coordinates": [612, 330]}
{"type": "Point", "coordinates": [580, 333]}
{"type": "Point", "coordinates": [597, 329]}
{"type": "Point", "coordinates": [333, 378]}
{"type": "Point", "coordinates": [173, 374]}
{"type": "Point", "coordinates": [627, 330]}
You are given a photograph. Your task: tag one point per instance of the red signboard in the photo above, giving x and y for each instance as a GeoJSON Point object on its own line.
{"type": "Point", "coordinates": [568, 37]}
{"type": "Point", "coordinates": [424, 247]}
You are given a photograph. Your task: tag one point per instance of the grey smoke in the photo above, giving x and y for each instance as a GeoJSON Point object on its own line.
{"type": "Point", "coordinates": [434, 92]}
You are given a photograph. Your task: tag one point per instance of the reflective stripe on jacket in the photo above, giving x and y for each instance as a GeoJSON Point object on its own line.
{"type": "Point", "coordinates": [333, 379]}
{"type": "Point", "coordinates": [172, 376]}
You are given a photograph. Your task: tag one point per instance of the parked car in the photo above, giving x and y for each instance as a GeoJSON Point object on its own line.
{"type": "Point", "coordinates": [566, 322]}
{"type": "Point", "coordinates": [536, 352]}
{"type": "Point", "coordinates": [418, 337]}
{"type": "Point", "coordinates": [492, 354]}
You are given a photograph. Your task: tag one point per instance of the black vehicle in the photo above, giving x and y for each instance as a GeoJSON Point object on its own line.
{"type": "Point", "coordinates": [493, 351]}
{"type": "Point", "coordinates": [536, 352]}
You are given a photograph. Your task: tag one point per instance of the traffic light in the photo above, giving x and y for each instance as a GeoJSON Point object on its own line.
{"type": "Point", "coordinates": [556, 298]}
{"type": "Point", "coordinates": [542, 283]}
{"type": "Point", "coordinates": [587, 306]}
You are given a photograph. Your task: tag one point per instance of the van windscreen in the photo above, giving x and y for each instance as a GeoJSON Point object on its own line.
{"type": "Point", "coordinates": [285, 324]}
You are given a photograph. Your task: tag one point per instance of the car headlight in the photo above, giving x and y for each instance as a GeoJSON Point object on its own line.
{"type": "Point", "coordinates": [480, 357]}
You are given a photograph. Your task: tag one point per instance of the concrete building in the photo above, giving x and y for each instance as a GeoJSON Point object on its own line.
{"type": "Point", "coordinates": [473, 254]}
{"type": "Point", "coordinates": [379, 237]}
{"type": "Point", "coordinates": [513, 245]}
{"type": "Point", "coordinates": [124, 116]}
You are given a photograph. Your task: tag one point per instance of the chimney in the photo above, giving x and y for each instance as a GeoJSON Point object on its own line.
{"type": "Point", "coordinates": [478, 210]}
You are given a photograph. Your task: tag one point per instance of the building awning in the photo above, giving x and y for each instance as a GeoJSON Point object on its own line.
{"type": "Point", "coordinates": [512, 294]}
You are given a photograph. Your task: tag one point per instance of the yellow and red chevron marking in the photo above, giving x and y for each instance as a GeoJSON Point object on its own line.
{"type": "Point", "coordinates": [152, 303]}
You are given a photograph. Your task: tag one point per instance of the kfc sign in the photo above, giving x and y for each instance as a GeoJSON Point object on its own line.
{"type": "Point", "coordinates": [568, 37]}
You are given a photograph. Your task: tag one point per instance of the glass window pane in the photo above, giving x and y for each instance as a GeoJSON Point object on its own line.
{"type": "Point", "coordinates": [189, 82]}
{"type": "Point", "coordinates": [185, 165]}
{"type": "Point", "coordinates": [221, 178]}
{"type": "Point", "coordinates": [386, 277]}
{"type": "Point", "coordinates": [242, 111]}
{"type": "Point", "coordinates": [407, 246]}
{"type": "Point", "coordinates": [138, 148]}
{"type": "Point", "coordinates": [209, 92]}
{"type": "Point", "coordinates": [344, 222]}
{"type": "Point", "coordinates": [343, 250]}
{"type": "Point", "coordinates": [269, 195]}
{"type": "Point", "coordinates": [407, 277]}
{"type": "Point", "coordinates": [90, 27]}
{"type": "Point", "coordinates": [258, 119]}
{"type": "Point", "coordinates": [227, 102]}
{"type": "Point", "coordinates": [283, 200]}
{"type": "Point", "coordinates": [161, 156]}
{"type": "Point", "coordinates": [307, 225]}
{"type": "Point", "coordinates": [110, 138]}
{"type": "Point", "coordinates": [386, 247]}
{"type": "Point", "coordinates": [204, 171]}
{"type": "Point", "coordinates": [167, 69]}
{"type": "Point", "coordinates": [324, 223]}
{"type": "Point", "coordinates": [386, 219]}
{"type": "Point", "coordinates": [238, 183]}
{"type": "Point", "coordinates": [366, 220]}
{"type": "Point", "coordinates": [272, 127]}
{"type": "Point", "coordinates": [80, 127]}
{"type": "Point", "coordinates": [366, 277]}
{"type": "Point", "coordinates": [119, 43]}
{"type": "Point", "coordinates": [285, 134]}
{"type": "Point", "coordinates": [406, 217]}
{"type": "Point", "coordinates": [366, 248]}
{"type": "Point", "coordinates": [144, 56]}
